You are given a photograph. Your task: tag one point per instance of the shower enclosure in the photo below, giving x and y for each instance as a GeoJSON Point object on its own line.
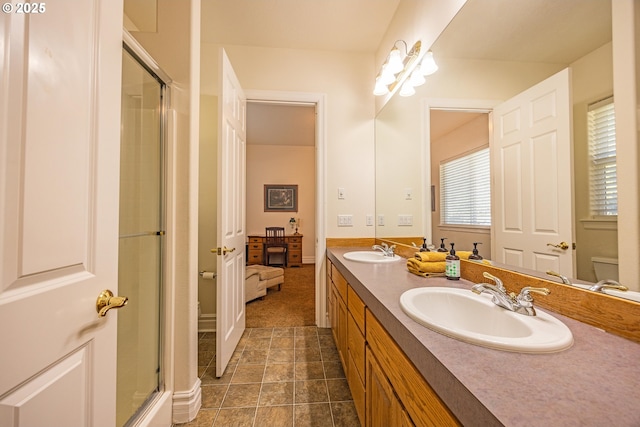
{"type": "Point", "coordinates": [140, 275]}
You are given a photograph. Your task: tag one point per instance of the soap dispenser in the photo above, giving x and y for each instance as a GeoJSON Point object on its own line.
{"type": "Point", "coordinates": [424, 247]}
{"type": "Point", "coordinates": [452, 267]}
{"type": "Point", "coordinates": [474, 256]}
{"type": "Point", "coordinates": [442, 248]}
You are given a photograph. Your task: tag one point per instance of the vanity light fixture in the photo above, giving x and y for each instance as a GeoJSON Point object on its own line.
{"type": "Point", "coordinates": [404, 70]}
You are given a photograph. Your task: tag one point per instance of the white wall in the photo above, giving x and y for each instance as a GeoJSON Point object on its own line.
{"type": "Point", "coordinates": [626, 72]}
{"type": "Point", "coordinates": [207, 196]}
{"type": "Point", "coordinates": [175, 48]}
{"type": "Point", "coordinates": [346, 79]}
{"type": "Point", "coordinates": [592, 81]}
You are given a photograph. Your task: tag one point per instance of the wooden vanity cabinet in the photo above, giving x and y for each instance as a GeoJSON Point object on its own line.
{"type": "Point", "coordinates": [383, 406]}
{"type": "Point", "coordinates": [356, 368]}
{"type": "Point", "coordinates": [387, 389]}
{"type": "Point", "coordinates": [338, 311]}
{"type": "Point", "coordinates": [421, 403]}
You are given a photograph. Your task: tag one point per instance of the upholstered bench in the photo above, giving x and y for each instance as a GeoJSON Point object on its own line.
{"type": "Point", "coordinates": [260, 277]}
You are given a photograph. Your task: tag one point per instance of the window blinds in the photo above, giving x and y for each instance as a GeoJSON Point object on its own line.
{"type": "Point", "coordinates": [465, 190]}
{"type": "Point", "coordinates": [603, 178]}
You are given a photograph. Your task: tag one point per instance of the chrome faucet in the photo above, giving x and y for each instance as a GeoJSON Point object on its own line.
{"type": "Point", "coordinates": [608, 284]}
{"type": "Point", "coordinates": [522, 303]}
{"type": "Point", "coordinates": [386, 249]}
{"type": "Point", "coordinates": [564, 279]}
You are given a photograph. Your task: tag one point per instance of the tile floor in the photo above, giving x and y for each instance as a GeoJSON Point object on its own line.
{"type": "Point", "coordinates": [277, 377]}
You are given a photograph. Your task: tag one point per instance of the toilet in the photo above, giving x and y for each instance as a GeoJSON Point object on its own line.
{"type": "Point", "coordinates": [605, 268]}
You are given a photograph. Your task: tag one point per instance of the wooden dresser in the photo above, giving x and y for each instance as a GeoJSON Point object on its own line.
{"type": "Point", "coordinates": [255, 248]}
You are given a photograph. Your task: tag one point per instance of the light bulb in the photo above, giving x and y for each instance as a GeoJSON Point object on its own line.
{"type": "Point", "coordinates": [428, 65]}
{"type": "Point", "coordinates": [395, 64]}
{"type": "Point", "coordinates": [407, 89]}
{"type": "Point", "coordinates": [380, 88]}
{"type": "Point", "coordinates": [387, 77]}
{"type": "Point", "coordinates": [417, 79]}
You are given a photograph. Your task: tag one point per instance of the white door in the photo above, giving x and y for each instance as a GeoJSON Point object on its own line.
{"type": "Point", "coordinates": [231, 234]}
{"type": "Point", "coordinates": [533, 172]}
{"type": "Point", "coordinates": [59, 158]}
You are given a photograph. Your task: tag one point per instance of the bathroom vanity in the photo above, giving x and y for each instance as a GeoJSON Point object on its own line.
{"type": "Point", "coordinates": [402, 373]}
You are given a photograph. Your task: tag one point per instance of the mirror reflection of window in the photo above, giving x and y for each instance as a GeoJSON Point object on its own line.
{"type": "Point", "coordinates": [465, 190]}
{"type": "Point", "coordinates": [603, 176]}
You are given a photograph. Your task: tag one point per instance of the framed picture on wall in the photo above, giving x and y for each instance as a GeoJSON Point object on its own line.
{"type": "Point", "coordinates": [280, 198]}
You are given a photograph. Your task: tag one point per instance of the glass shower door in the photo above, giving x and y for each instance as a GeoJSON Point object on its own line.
{"type": "Point", "coordinates": [141, 240]}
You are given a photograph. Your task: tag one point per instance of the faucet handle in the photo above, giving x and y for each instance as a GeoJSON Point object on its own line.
{"type": "Point", "coordinates": [564, 279]}
{"type": "Point", "coordinates": [496, 280]}
{"type": "Point", "coordinates": [525, 293]}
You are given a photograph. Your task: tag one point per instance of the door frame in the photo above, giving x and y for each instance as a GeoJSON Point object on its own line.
{"type": "Point", "coordinates": [453, 105]}
{"type": "Point", "coordinates": [319, 99]}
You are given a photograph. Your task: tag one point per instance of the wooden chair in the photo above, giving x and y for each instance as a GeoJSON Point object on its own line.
{"type": "Point", "coordinates": [275, 244]}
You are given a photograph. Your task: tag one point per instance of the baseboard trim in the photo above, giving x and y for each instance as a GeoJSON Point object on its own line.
{"type": "Point", "coordinates": [186, 404]}
{"type": "Point", "coordinates": [207, 323]}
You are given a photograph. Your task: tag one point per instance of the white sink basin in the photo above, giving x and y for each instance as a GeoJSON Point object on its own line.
{"type": "Point", "coordinates": [461, 314]}
{"type": "Point", "coordinates": [370, 256]}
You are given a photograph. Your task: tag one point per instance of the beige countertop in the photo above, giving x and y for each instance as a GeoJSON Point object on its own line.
{"type": "Point", "coordinates": [596, 382]}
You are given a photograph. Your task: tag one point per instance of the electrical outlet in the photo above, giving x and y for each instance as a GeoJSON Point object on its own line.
{"type": "Point", "coordinates": [369, 220]}
{"type": "Point", "coordinates": [405, 220]}
{"type": "Point", "coordinates": [345, 220]}
{"type": "Point", "coordinates": [380, 220]}
{"type": "Point", "coordinates": [341, 193]}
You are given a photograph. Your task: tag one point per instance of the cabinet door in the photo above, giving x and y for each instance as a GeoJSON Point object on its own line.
{"type": "Point", "coordinates": [333, 317]}
{"type": "Point", "coordinates": [421, 401]}
{"type": "Point", "coordinates": [342, 330]}
{"type": "Point", "coordinates": [383, 409]}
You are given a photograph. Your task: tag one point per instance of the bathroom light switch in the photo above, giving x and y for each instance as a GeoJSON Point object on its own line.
{"type": "Point", "coordinates": [341, 193]}
{"type": "Point", "coordinates": [408, 193]}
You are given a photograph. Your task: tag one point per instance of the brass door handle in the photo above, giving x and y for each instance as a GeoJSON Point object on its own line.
{"type": "Point", "coordinates": [222, 251]}
{"type": "Point", "coordinates": [562, 245]}
{"type": "Point", "coordinates": [106, 301]}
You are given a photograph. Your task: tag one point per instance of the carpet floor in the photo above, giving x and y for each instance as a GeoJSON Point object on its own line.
{"type": "Point", "coordinates": [293, 305]}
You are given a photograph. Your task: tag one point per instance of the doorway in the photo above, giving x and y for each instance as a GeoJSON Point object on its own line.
{"type": "Point", "coordinates": [281, 150]}
{"type": "Point", "coordinates": [141, 238]}
{"type": "Point", "coordinates": [456, 135]}
{"type": "Point", "coordinates": [319, 100]}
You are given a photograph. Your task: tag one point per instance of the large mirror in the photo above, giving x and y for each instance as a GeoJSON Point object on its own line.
{"type": "Point", "coordinates": [490, 52]}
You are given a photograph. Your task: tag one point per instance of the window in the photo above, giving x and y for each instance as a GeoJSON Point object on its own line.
{"type": "Point", "coordinates": [465, 190]}
{"type": "Point", "coordinates": [603, 177]}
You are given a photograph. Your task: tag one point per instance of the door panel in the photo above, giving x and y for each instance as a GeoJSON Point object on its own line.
{"type": "Point", "coordinates": [533, 191]}
{"type": "Point", "coordinates": [230, 303]}
{"type": "Point", "coordinates": [59, 134]}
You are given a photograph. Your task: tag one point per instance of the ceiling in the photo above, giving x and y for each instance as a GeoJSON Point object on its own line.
{"type": "Point", "coordinates": [281, 124]}
{"type": "Point", "coordinates": [550, 31]}
{"type": "Point", "coordinates": [335, 25]}
{"type": "Point", "coordinates": [331, 25]}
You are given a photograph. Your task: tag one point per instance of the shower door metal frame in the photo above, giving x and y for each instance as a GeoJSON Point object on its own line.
{"type": "Point", "coordinates": [133, 48]}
